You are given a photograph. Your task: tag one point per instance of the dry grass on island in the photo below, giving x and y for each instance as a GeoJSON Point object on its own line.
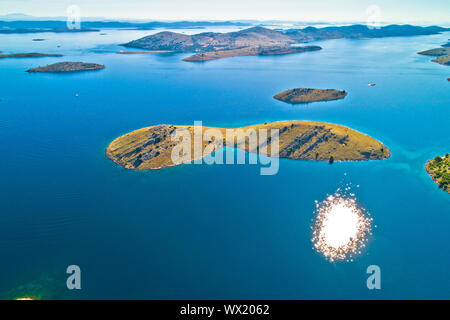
{"type": "Point", "coordinates": [439, 171]}
{"type": "Point", "coordinates": [249, 51]}
{"type": "Point", "coordinates": [211, 45]}
{"type": "Point", "coordinates": [28, 55]}
{"type": "Point", "coordinates": [306, 95]}
{"type": "Point", "coordinates": [143, 52]}
{"type": "Point", "coordinates": [442, 55]}
{"type": "Point", "coordinates": [68, 67]}
{"type": "Point", "coordinates": [151, 148]}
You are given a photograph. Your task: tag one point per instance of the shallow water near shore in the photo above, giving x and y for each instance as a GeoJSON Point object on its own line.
{"type": "Point", "coordinates": [219, 231]}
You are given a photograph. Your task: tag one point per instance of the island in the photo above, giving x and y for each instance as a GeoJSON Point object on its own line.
{"type": "Point", "coordinates": [442, 55]}
{"type": "Point", "coordinates": [151, 148]}
{"type": "Point", "coordinates": [263, 41]}
{"type": "Point", "coordinates": [68, 67]}
{"type": "Point", "coordinates": [30, 25]}
{"type": "Point", "coordinates": [29, 55]}
{"type": "Point", "coordinates": [141, 52]}
{"type": "Point", "coordinates": [306, 95]}
{"type": "Point", "coordinates": [439, 171]}
{"type": "Point", "coordinates": [250, 51]}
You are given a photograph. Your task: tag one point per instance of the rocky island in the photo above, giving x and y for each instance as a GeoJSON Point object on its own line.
{"type": "Point", "coordinates": [263, 41]}
{"type": "Point", "coordinates": [29, 55]}
{"type": "Point", "coordinates": [142, 52]}
{"type": "Point", "coordinates": [439, 171]}
{"type": "Point", "coordinates": [211, 46]}
{"type": "Point", "coordinates": [151, 148]}
{"type": "Point", "coordinates": [442, 55]}
{"type": "Point", "coordinates": [250, 51]}
{"type": "Point", "coordinates": [68, 67]}
{"type": "Point", "coordinates": [306, 95]}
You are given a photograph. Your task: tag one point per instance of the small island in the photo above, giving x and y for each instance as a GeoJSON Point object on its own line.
{"type": "Point", "coordinates": [141, 52]}
{"type": "Point", "coordinates": [439, 171]}
{"type": "Point", "coordinates": [306, 95]}
{"type": "Point", "coordinates": [68, 67]}
{"type": "Point", "coordinates": [442, 55]}
{"type": "Point", "coordinates": [151, 148]}
{"type": "Point", "coordinates": [29, 55]}
{"type": "Point", "coordinates": [250, 51]}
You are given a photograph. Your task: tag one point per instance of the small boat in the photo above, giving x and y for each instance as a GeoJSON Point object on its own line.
{"type": "Point", "coordinates": [372, 84]}
{"type": "Point", "coordinates": [76, 94]}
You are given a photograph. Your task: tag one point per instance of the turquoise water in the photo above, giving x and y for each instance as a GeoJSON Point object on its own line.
{"type": "Point", "coordinates": [213, 232]}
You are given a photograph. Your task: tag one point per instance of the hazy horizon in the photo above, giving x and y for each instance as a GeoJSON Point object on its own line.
{"type": "Point", "coordinates": [345, 11]}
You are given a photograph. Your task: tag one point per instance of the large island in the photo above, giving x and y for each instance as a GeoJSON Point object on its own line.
{"type": "Point", "coordinates": [306, 95]}
{"type": "Point", "coordinates": [68, 67]}
{"type": "Point", "coordinates": [263, 41]}
{"type": "Point", "coordinates": [151, 148]}
{"type": "Point", "coordinates": [439, 171]}
{"type": "Point", "coordinates": [28, 55]}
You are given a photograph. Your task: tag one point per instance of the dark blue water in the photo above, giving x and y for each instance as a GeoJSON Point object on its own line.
{"type": "Point", "coordinates": [213, 232]}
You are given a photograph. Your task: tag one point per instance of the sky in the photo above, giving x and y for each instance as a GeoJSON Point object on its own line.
{"type": "Point", "coordinates": [406, 11]}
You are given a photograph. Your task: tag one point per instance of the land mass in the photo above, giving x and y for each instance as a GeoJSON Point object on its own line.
{"type": "Point", "coordinates": [442, 55]}
{"type": "Point", "coordinates": [439, 171]}
{"type": "Point", "coordinates": [141, 52]}
{"type": "Point", "coordinates": [249, 51]}
{"type": "Point", "coordinates": [305, 95]}
{"type": "Point", "coordinates": [68, 67]}
{"type": "Point", "coordinates": [37, 26]}
{"type": "Point", "coordinates": [260, 41]}
{"type": "Point", "coordinates": [151, 148]}
{"type": "Point", "coordinates": [29, 55]}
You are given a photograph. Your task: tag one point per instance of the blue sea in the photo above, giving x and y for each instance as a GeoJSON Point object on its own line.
{"type": "Point", "coordinates": [216, 231]}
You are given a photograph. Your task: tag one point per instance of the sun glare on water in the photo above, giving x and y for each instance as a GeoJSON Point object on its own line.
{"type": "Point", "coordinates": [341, 228]}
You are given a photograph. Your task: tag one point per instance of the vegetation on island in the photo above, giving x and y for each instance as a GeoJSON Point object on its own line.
{"type": "Point", "coordinates": [305, 95]}
{"type": "Point", "coordinates": [151, 148]}
{"type": "Point", "coordinates": [263, 41]}
{"type": "Point", "coordinates": [442, 55]}
{"type": "Point", "coordinates": [250, 51]}
{"type": "Point", "coordinates": [68, 67]}
{"type": "Point", "coordinates": [29, 55]}
{"type": "Point", "coordinates": [141, 52]}
{"type": "Point", "coordinates": [439, 170]}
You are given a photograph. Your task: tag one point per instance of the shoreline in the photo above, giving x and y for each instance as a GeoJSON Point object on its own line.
{"type": "Point", "coordinates": [150, 148]}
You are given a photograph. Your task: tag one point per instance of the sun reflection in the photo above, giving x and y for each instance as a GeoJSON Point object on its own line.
{"type": "Point", "coordinates": [341, 227]}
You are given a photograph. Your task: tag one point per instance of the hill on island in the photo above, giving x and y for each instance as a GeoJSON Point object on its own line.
{"type": "Point", "coordinates": [209, 41]}
{"type": "Point", "coordinates": [306, 95]}
{"type": "Point", "coordinates": [253, 41]}
{"type": "Point", "coordinates": [151, 148]}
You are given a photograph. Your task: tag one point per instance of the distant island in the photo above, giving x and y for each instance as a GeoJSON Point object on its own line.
{"type": "Point", "coordinates": [68, 67]}
{"type": "Point", "coordinates": [56, 30]}
{"type": "Point", "coordinates": [59, 26]}
{"type": "Point", "coordinates": [260, 41]}
{"type": "Point", "coordinates": [442, 55]}
{"type": "Point", "coordinates": [439, 170]}
{"type": "Point", "coordinates": [141, 52]}
{"type": "Point", "coordinates": [305, 95]}
{"type": "Point", "coordinates": [29, 55]}
{"type": "Point", "coordinates": [151, 148]}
